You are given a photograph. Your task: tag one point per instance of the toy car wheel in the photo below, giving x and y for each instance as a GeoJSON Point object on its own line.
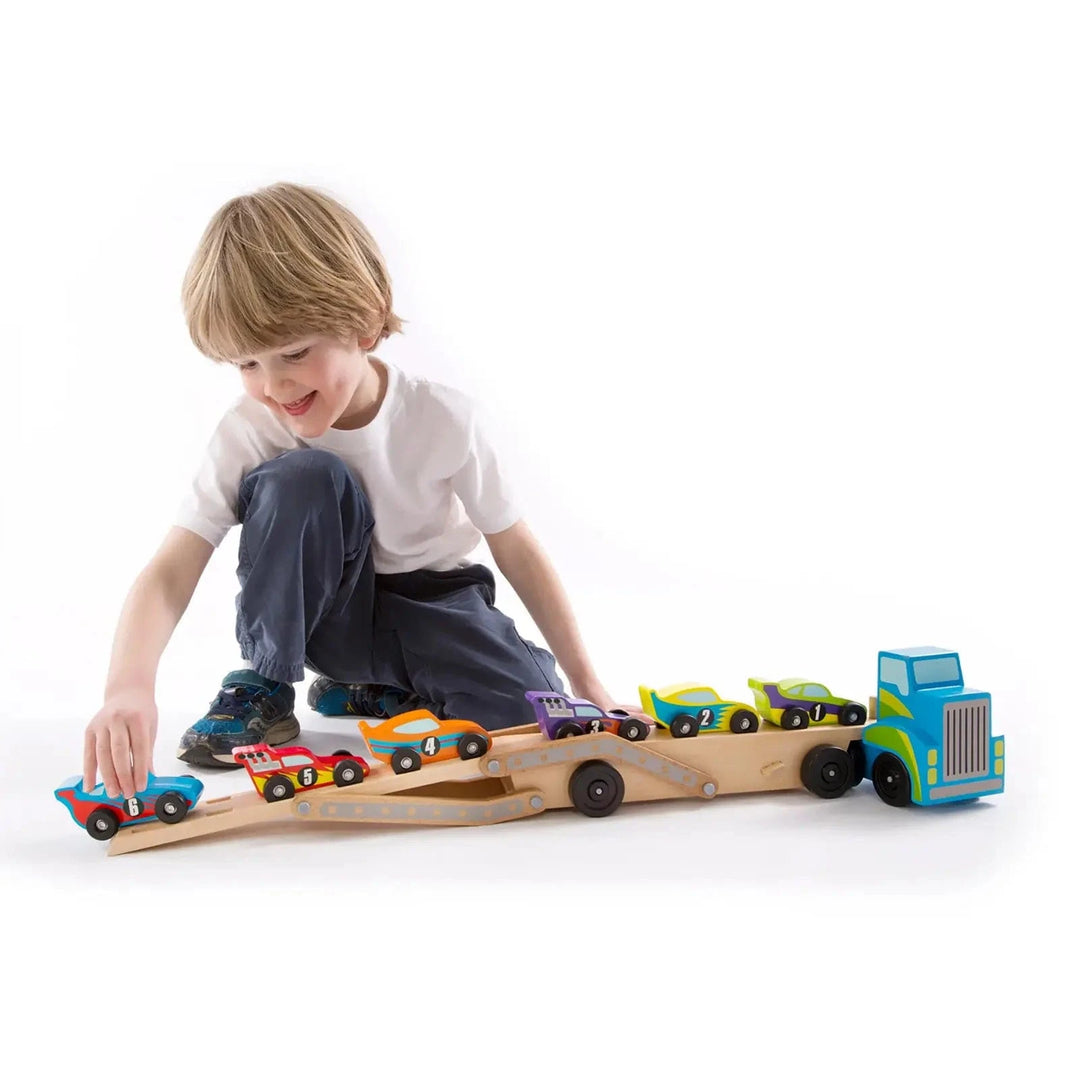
{"type": "Point", "coordinates": [404, 760]}
{"type": "Point", "coordinates": [342, 753]}
{"type": "Point", "coordinates": [473, 745]}
{"type": "Point", "coordinates": [794, 719]}
{"type": "Point", "coordinates": [171, 807]}
{"type": "Point", "coordinates": [277, 788]}
{"type": "Point", "coordinates": [568, 730]}
{"type": "Point", "coordinates": [684, 726]}
{"type": "Point", "coordinates": [891, 780]}
{"type": "Point", "coordinates": [632, 729]}
{"type": "Point", "coordinates": [743, 721]}
{"type": "Point", "coordinates": [826, 771]}
{"type": "Point", "coordinates": [348, 772]}
{"type": "Point", "coordinates": [853, 714]}
{"type": "Point", "coordinates": [102, 823]}
{"type": "Point", "coordinates": [596, 789]}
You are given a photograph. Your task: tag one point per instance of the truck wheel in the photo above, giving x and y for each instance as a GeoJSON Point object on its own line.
{"type": "Point", "coordinates": [472, 745]}
{"type": "Point", "coordinates": [632, 729]}
{"type": "Point", "coordinates": [568, 730]}
{"type": "Point", "coordinates": [404, 759]}
{"type": "Point", "coordinates": [891, 781]}
{"type": "Point", "coordinates": [852, 714]}
{"type": "Point", "coordinates": [857, 753]}
{"type": "Point", "coordinates": [348, 772]}
{"type": "Point", "coordinates": [743, 721]}
{"type": "Point", "coordinates": [684, 726]}
{"type": "Point", "coordinates": [826, 771]}
{"type": "Point", "coordinates": [596, 789]}
{"type": "Point", "coordinates": [102, 824]}
{"type": "Point", "coordinates": [794, 719]}
{"type": "Point", "coordinates": [277, 788]}
{"type": "Point", "coordinates": [171, 807]}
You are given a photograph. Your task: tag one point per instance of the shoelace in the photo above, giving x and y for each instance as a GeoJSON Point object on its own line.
{"type": "Point", "coordinates": [234, 701]}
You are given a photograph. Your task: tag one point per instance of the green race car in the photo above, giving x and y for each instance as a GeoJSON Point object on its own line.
{"type": "Point", "coordinates": [799, 703]}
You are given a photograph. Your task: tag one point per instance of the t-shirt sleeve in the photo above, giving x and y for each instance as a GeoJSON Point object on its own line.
{"type": "Point", "coordinates": [481, 482]}
{"type": "Point", "coordinates": [239, 443]}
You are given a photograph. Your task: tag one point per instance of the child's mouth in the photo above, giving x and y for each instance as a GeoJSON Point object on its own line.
{"type": "Point", "coordinates": [301, 406]}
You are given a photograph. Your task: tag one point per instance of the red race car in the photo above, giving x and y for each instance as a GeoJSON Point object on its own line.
{"type": "Point", "coordinates": [277, 771]}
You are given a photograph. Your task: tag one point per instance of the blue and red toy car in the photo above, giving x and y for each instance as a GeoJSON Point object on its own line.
{"type": "Point", "coordinates": [560, 717]}
{"type": "Point", "coordinates": [165, 798]}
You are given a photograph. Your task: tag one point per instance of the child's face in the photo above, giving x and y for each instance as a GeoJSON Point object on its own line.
{"type": "Point", "coordinates": [320, 373]}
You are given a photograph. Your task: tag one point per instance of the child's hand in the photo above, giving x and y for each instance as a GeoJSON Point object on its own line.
{"type": "Point", "coordinates": [595, 693]}
{"type": "Point", "coordinates": [120, 743]}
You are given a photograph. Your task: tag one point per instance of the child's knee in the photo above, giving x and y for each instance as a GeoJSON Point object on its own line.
{"type": "Point", "coordinates": [303, 478]}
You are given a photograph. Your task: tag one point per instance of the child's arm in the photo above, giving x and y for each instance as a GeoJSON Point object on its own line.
{"type": "Point", "coordinates": [120, 739]}
{"type": "Point", "coordinates": [523, 562]}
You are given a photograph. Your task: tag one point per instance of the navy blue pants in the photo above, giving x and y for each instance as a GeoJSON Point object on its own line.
{"type": "Point", "coordinates": [309, 595]}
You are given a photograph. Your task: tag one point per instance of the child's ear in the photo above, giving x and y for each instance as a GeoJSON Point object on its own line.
{"type": "Point", "coordinates": [367, 344]}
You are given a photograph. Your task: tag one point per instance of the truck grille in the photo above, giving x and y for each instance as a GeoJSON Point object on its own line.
{"type": "Point", "coordinates": [967, 739]}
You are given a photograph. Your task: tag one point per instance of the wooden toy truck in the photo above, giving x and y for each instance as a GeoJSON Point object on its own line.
{"type": "Point", "coordinates": [932, 744]}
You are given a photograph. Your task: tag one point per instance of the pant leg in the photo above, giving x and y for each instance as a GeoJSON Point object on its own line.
{"type": "Point", "coordinates": [459, 650]}
{"type": "Point", "coordinates": [305, 569]}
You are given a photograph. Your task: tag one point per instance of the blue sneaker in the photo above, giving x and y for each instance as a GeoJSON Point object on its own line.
{"type": "Point", "coordinates": [248, 709]}
{"type": "Point", "coordinates": [362, 699]}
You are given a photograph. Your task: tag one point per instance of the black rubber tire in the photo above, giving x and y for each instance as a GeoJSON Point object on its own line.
{"type": "Point", "coordinates": [852, 714]}
{"type": "Point", "coordinates": [347, 773]}
{"type": "Point", "coordinates": [794, 718]}
{"type": "Point", "coordinates": [568, 730]}
{"type": "Point", "coordinates": [405, 760]}
{"type": "Point", "coordinates": [826, 771]}
{"type": "Point", "coordinates": [102, 823]}
{"type": "Point", "coordinates": [743, 721]}
{"type": "Point", "coordinates": [342, 753]}
{"type": "Point", "coordinates": [473, 745]}
{"type": "Point", "coordinates": [596, 789]}
{"type": "Point", "coordinates": [857, 753]}
{"type": "Point", "coordinates": [171, 807]}
{"type": "Point", "coordinates": [277, 788]}
{"type": "Point", "coordinates": [684, 726]}
{"type": "Point", "coordinates": [633, 730]}
{"type": "Point", "coordinates": [891, 780]}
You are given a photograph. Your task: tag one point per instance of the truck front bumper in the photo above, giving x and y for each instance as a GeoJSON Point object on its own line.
{"type": "Point", "coordinates": [991, 786]}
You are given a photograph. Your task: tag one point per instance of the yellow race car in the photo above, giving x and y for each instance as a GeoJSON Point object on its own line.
{"type": "Point", "coordinates": [687, 709]}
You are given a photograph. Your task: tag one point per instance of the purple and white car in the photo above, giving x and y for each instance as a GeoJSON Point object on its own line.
{"type": "Point", "coordinates": [561, 717]}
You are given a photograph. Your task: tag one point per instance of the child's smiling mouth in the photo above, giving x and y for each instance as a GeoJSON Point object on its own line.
{"type": "Point", "coordinates": [298, 408]}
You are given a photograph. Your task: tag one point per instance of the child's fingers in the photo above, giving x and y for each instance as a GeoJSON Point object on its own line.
{"type": "Point", "coordinates": [105, 764]}
{"type": "Point", "coordinates": [140, 753]}
{"type": "Point", "coordinates": [89, 760]}
{"type": "Point", "coordinates": [121, 756]}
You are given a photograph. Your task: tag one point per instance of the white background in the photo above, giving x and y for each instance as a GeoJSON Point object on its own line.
{"type": "Point", "coordinates": [776, 307]}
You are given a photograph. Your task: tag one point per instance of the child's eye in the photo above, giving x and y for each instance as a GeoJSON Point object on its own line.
{"type": "Point", "coordinates": [296, 356]}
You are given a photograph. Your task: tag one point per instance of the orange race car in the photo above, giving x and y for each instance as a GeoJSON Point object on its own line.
{"type": "Point", "coordinates": [409, 739]}
{"type": "Point", "coordinates": [277, 771]}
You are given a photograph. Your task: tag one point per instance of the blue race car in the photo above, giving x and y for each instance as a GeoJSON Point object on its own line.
{"type": "Point", "coordinates": [165, 798]}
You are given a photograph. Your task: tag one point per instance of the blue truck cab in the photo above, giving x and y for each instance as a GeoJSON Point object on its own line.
{"type": "Point", "coordinates": [932, 742]}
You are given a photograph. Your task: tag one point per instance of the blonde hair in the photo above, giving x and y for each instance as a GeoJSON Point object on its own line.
{"type": "Point", "coordinates": [279, 264]}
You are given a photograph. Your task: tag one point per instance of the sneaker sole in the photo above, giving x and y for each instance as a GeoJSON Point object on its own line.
{"type": "Point", "coordinates": [280, 733]}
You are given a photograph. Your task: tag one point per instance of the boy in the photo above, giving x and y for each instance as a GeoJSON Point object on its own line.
{"type": "Point", "coordinates": [360, 492]}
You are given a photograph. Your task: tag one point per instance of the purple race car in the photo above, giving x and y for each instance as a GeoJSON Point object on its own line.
{"type": "Point", "coordinates": [560, 717]}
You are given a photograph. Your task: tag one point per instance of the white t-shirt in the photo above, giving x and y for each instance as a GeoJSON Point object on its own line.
{"type": "Point", "coordinates": [428, 469]}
